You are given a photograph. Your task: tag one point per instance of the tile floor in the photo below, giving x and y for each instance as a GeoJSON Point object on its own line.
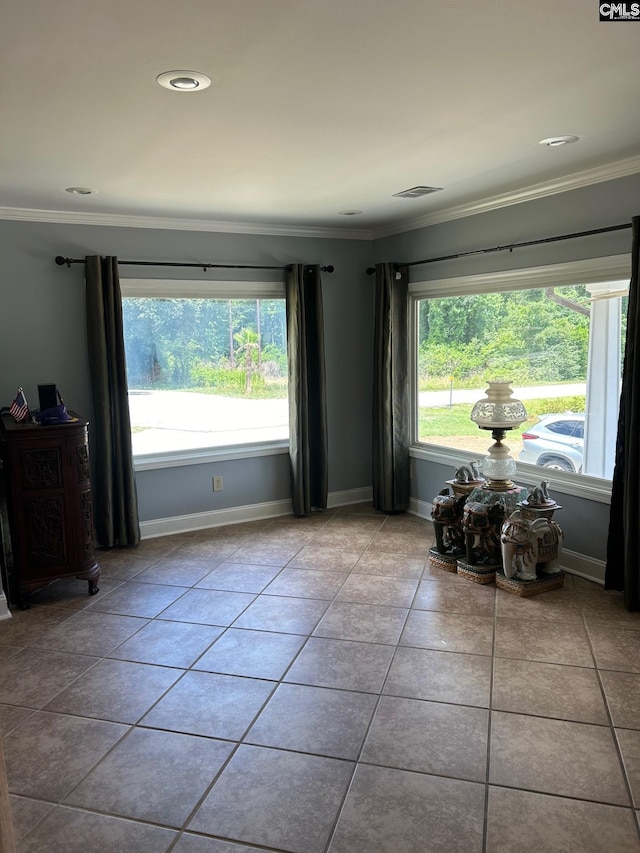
{"type": "Point", "coordinates": [312, 685]}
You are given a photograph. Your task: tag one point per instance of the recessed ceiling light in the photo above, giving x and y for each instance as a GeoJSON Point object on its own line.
{"type": "Point", "coordinates": [349, 212]}
{"type": "Point", "coordinates": [184, 81]}
{"type": "Point", "coordinates": [80, 191]}
{"type": "Point", "coordinates": [557, 141]}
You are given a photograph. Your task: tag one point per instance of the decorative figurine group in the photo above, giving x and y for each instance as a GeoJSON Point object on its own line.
{"type": "Point", "coordinates": [504, 536]}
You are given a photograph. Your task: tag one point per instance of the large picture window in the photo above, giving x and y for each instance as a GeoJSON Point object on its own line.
{"type": "Point", "coordinates": [561, 345]}
{"type": "Point", "coordinates": [206, 365]}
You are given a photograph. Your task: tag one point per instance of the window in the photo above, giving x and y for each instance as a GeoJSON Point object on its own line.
{"type": "Point", "coordinates": [206, 366]}
{"type": "Point", "coordinates": [565, 427]}
{"type": "Point", "coordinates": [557, 332]}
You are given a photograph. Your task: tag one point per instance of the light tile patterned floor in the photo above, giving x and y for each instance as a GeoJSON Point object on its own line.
{"type": "Point", "coordinates": [314, 686]}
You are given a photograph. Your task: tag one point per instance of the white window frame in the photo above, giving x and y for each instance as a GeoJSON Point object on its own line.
{"type": "Point", "coordinates": [593, 270]}
{"type": "Point", "coordinates": [161, 288]}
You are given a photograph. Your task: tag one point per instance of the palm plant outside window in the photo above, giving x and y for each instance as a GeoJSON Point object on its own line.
{"type": "Point", "coordinates": [205, 373]}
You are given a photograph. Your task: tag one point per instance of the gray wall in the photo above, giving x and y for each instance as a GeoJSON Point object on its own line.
{"type": "Point", "coordinates": [597, 206]}
{"type": "Point", "coordinates": [584, 522]}
{"type": "Point", "coordinates": [43, 339]}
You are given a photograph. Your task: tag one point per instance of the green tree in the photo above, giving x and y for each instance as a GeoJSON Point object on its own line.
{"type": "Point", "coordinates": [523, 335]}
{"type": "Point", "coordinates": [248, 342]}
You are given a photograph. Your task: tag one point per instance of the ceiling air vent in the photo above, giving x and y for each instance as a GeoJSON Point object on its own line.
{"type": "Point", "coordinates": [417, 192]}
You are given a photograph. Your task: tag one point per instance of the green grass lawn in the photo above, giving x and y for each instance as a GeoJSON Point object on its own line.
{"type": "Point", "coordinates": [261, 389]}
{"type": "Point", "coordinates": [456, 419]}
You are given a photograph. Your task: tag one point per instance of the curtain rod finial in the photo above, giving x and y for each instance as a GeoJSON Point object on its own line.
{"type": "Point", "coordinates": [371, 270]}
{"type": "Point", "coordinates": [61, 261]}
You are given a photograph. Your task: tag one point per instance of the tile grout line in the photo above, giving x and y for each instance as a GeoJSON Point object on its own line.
{"type": "Point", "coordinates": [241, 741]}
{"type": "Point", "coordinates": [485, 828]}
{"type": "Point", "coordinates": [358, 762]}
{"type": "Point", "coordinates": [122, 739]}
{"type": "Point", "coordinates": [612, 727]}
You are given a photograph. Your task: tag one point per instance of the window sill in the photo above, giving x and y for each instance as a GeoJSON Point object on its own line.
{"type": "Point", "coordinates": [576, 485]}
{"type": "Point", "coordinates": [209, 454]}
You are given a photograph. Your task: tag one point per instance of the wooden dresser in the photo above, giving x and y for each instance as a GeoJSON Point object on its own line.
{"type": "Point", "coordinates": [48, 493]}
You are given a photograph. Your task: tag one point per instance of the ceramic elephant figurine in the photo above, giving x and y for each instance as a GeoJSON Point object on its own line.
{"type": "Point", "coordinates": [446, 512]}
{"type": "Point", "coordinates": [528, 545]}
{"type": "Point", "coordinates": [481, 525]}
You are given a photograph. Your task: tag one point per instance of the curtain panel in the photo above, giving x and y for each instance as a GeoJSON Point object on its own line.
{"type": "Point", "coordinates": [390, 389]}
{"type": "Point", "coordinates": [307, 389]}
{"type": "Point", "coordinates": [623, 545]}
{"type": "Point", "coordinates": [114, 487]}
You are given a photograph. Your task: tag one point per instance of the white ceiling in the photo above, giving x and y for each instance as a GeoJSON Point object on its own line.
{"type": "Point", "coordinates": [316, 105]}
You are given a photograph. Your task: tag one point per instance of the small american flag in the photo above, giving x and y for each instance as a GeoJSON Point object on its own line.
{"type": "Point", "coordinates": [19, 409]}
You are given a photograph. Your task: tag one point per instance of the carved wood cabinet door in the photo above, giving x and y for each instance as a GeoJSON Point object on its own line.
{"type": "Point", "coordinates": [48, 488]}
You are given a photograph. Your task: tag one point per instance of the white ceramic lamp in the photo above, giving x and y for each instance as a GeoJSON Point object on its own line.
{"type": "Point", "coordinates": [498, 412]}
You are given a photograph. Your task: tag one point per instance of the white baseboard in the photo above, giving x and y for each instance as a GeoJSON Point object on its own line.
{"type": "Point", "coordinates": [350, 496]}
{"type": "Point", "coordinates": [583, 566]}
{"type": "Point", "coordinates": [238, 514]}
{"type": "Point", "coordinates": [420, 508]}
{"type": "Point", "coordinates": [213, 518]}
{"type": "Point", "coordinates": [571, 561]}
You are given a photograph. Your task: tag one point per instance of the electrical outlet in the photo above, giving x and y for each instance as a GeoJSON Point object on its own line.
{"type": "Point", "coordinates": [217, 484]}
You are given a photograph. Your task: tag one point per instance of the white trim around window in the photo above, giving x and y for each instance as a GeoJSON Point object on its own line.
{"type": "Point", "coordinates": [611, 268]}
{"type": "Point", "coordinates": [195, 289]}
{"type": "Point", "coordinates": [200, 457]}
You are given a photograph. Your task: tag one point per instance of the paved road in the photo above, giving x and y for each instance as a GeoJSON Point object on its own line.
{"type": "Point", "coordinates": [444, 398]}
{"type": "Point", "coordinates": [176, 420]}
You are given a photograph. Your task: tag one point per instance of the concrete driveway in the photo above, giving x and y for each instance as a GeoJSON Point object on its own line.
{"type": "Point", "coordinates": [163, 421]}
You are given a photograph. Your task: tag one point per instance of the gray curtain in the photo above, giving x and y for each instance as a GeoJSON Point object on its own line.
{"type": "Point", "coordinates": [623, 545]}
{"type": "Point", "coordinates": [390, 390]}
{"type": "Point", "coordinates": [307, 389]}
{"type": "Point", "coordinates": [113, 487]}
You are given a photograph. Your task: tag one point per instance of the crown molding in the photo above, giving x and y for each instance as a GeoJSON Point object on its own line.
{"type": "Point", "coordinates": [597, 175]}
{"type": "Point", "coordinates": [168, 224]}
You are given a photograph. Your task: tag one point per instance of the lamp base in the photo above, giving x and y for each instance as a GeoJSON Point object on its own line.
{"type": "Point", "coordinates": [499, 466]}
{"type": "Point", "coordinates": [499, 485]}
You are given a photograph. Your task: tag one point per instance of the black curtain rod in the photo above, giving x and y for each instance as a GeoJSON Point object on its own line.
{"type": "Point", "coordinates": [204, 267]}
{"type": "Point", "coordinates": [510, 247]}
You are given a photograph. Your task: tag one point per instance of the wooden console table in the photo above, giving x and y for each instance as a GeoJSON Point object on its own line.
{"type": "Point", "coordinates": [48, 493]}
